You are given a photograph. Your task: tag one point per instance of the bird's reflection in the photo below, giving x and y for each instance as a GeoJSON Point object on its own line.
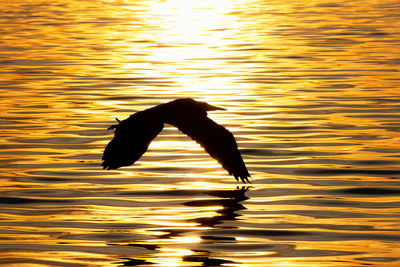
{"type": "Point", "coordinates": [230, 203]}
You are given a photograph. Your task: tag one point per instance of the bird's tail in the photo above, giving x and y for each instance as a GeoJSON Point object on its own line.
{"type": "Point", "coordinates": [114, 126]}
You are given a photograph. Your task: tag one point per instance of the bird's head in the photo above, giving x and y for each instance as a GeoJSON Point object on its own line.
{"type": "Point", "coordinates": [184, 107]}
{"type": "Point", "coordinates": [191, 104]}
{"type": "Point", "coordinates": [207, 107]}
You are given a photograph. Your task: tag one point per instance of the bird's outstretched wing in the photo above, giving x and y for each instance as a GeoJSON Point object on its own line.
{"type": "Point", "coordinates": [131, 139]}
{"type": "Point", "coordinates": [218, 142]}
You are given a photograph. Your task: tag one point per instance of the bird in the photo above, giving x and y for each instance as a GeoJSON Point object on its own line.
{"type": "Point", "coordinates": [133, 135]}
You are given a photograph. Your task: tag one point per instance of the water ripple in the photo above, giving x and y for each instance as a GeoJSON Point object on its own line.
{"type": "Point", "coordinates": [311, 92]}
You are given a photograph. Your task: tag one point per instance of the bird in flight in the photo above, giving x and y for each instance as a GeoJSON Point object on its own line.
{"type": "Point", "coordinates": [133, 135]}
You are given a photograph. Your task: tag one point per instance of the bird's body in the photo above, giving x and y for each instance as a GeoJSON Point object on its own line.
{"type": "Point", "coordinates": [134, 134]}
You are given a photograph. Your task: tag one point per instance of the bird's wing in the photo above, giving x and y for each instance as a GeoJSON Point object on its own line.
{"type": "Point", "coordinates": [131, 140]}
{"type": "Point", "coordinates": [218, 142]}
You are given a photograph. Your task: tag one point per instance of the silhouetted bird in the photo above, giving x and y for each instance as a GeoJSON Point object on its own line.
{"type": "Point", "coordinates": [134, 134]}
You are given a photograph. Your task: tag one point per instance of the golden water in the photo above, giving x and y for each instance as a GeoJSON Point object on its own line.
{"type": "Point", "coordinates": [312, 95]}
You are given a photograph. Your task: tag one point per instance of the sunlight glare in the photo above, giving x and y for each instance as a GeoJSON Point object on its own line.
{"type": "Point", "coordinates": [192, 49]}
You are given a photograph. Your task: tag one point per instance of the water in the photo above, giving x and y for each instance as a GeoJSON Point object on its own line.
{"type": "Point", "coordinates": [311, 90]}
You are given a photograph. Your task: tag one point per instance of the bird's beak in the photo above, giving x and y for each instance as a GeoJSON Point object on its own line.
{"type": "Point", "coordinates": [211, 108]}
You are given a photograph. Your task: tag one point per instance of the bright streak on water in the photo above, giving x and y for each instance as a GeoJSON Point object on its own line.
{"type": "Point", "coordinates": [311, 90]}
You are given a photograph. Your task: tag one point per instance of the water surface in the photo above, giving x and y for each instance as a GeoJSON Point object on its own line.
{"type": "Point", "coordinates": [311, 90]}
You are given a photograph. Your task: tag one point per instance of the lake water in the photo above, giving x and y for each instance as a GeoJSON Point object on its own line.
{"type": "Point", "coordinates": [312, 92]}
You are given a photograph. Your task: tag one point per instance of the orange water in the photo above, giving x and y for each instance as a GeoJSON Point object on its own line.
{"type": "Point", "coordinates": [312, 95]}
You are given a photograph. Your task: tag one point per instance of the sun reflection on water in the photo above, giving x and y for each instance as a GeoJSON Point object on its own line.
{"type": "Point", "coordinates": [310, 89]}
{"type": "Point", "coordinates": [194, 39]}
